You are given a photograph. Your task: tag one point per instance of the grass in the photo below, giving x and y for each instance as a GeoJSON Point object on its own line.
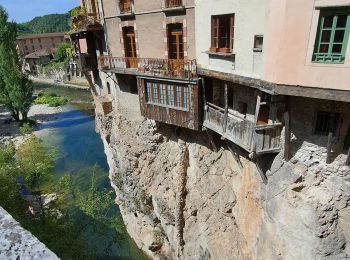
{"type": "Point", "coordinates": [51, 99]}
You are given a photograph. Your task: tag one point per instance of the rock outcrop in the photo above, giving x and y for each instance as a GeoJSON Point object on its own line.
{"type": "Point", "coordinates": [180, 199]}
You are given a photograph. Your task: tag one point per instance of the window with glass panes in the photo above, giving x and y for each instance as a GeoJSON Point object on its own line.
{"type": "Point", "coordinates": [332, 36]}
{"type": "Point", "coordinates": [172, 96]}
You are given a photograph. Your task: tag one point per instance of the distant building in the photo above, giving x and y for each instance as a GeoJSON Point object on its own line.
{"type": "Point", "coordinates": [40, 57]}
{"type": "Point", "coordinates": [27, 44]}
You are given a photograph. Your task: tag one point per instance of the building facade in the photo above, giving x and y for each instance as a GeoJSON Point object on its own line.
{"type": "Point", "coordinates": [27, 44]}
{"type": "Point", "coordinates": [234, 68]}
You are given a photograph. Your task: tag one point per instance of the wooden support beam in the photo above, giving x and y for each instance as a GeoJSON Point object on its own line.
{"type": "Point", "coordinates": [347, 163]}
{"type": "Point", "coordinates": [287, 135]}
{"type": "Point", "coordinates": [235, 156]}
{"type": "Point", "coordinates": [211, 139]}
{"type": "Point", "coordinates": [257, 110]}
{"type": "Point", "coordinates": [226, 108]}
{"type": "Point", "coordinates": [329, 147]}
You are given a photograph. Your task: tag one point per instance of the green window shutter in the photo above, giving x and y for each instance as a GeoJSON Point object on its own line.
{"type": "Point", "coordinates": [332, 36]}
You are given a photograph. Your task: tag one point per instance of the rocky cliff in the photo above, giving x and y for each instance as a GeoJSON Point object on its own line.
{"type": "Point", "coordinates": [183, 198]}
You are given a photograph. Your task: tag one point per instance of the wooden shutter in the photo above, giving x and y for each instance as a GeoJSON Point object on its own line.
{"type": "Point", "coordinates": [232, 30]}
{"type": "Point", "coordinates": [214, 33]}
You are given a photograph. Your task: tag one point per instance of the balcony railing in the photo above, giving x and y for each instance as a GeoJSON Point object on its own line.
{"type": "Point", "coordinates": [126, 7]}
{"type": "Point", "coordinates": [185, 69]}
{"type": "Point", "coordinates": [172, 5]}
{"type": "Point", "coordinates": [85, 21]}
{"type": "Point", "coordinates": [260, 139]}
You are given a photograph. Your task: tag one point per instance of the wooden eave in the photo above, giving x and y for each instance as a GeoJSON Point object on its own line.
{"type": "Point", "coordinates": [279, 89]}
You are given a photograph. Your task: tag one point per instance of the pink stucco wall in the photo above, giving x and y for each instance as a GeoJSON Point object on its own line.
{"type": "Point", "coordinates": [289, 43]}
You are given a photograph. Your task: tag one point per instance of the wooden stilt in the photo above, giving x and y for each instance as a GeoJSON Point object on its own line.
{"type": "Point", "coordinates": [329, 147]}
{"type": "Point", "coordinates": [215, 149]}
{"type": "Point", "coordinates": [235, 156]}
{"type": "Point", "coordinates": [347, 163]}
{"type": "Point", "coordinates": [226, 108]}
{"type": "Point", "coordinates": [287, 134]}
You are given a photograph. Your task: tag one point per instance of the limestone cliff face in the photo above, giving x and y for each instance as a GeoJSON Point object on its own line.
{"type": "Point", "coordinates": [182, 200]}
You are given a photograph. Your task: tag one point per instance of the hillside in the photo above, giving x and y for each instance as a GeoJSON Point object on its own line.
{"type": "Point", "coordinates": [46, 24]}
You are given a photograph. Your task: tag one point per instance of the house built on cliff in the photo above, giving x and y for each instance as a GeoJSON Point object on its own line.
{"type": "Point", "coordinates": [268, 76]}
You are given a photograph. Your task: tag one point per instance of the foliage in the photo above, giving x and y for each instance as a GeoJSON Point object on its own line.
{"type": "Point", "coordinates": [15, 88]}
{"type": "Point", "coordinates": [75, 11]}
{"type": "Point", "coordinates": [46, 24]}
{"type": "Point", "coordinates": [36, 164]}
{"type": "Point", "coordinates": [51, 99]}
{"type": "Point", "coordinates": [63, 52]}
{"type": "Point", "coordinates": [10, 198]}
{"type": "Point", "coordinates": [26, 128]}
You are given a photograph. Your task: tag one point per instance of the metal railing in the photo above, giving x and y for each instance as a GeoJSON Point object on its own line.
{"type": "Point", "coordinates": [172, 3]}
{"type": "Point", "coordinates": [85, 20]}
{"type": "Point", "coordinates": [186, 69]}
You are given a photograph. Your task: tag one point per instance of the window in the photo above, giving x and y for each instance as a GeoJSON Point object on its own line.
{"type": "Point", "coordinates": [258, 43]}
{"type": "Point", "coordinates": [175, 41]}
{"type": "Point", "coordinates": [130, 46]}
{"type": "Point", "coordinates": [125, 6]}
{"type": "Point", "coordinates": [332, 36]}
{"type": "Point", "coordinates": [326, 122]}
{"type": "Point", "coordinates": [222, 33]}
{"type": "Point", "coordinates": [174, 96]}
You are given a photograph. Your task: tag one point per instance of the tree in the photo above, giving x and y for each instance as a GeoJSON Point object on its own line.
{"type": "Point", "coordinates": [15, 88]}
{"type": "Point", "coordinates": [36, 163]}
{"type": "Point", "coordinates": [63, 52]}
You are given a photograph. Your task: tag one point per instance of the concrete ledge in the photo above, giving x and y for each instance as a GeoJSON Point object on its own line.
{"type": "Point", "coordinates": [18, 243]}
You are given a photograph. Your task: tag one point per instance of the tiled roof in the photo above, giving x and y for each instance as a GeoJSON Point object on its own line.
{"type": "Point", "coordinates": [42, 35]}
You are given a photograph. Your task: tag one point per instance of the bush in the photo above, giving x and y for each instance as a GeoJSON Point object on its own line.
{"type": "Point", "coordinates": [51, 99]}
{"type": "Point", "coordinates": [26, 128]}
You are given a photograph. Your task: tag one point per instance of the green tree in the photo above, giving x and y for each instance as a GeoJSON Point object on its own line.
{"type": "Point", "coordinates": [15, 88]}
{"type": "Point", "coordinates": [63, 52]}
{"type": "Point", "coordinates": [36, 163]}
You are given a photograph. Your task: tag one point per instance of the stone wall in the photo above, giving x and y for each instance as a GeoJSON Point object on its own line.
{"type": "Point", "coordinates": [18, 243]}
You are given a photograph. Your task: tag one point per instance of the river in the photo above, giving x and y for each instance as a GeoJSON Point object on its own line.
{"type": "Point", "coordinates": [80, 153]}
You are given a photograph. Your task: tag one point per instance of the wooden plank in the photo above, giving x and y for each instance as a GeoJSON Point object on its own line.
{"type": "Point", "coordinates": [347, 163]}
{"type": "Point", "coordinates": [329, 147]}
{"type": "Point", "coordinates": [287, 134]}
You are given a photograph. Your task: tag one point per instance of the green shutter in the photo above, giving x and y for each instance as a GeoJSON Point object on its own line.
{"type": "Point", "coordinates": [332, 36]}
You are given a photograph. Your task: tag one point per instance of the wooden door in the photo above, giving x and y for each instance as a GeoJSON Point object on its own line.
{"type": "Point", "coordinates": [130, 47]}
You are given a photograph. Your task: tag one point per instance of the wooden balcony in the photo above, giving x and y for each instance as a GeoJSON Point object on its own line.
{"type": "Point", "coordinates": [182, 69]}
{"type": "Point", "coordinates": [172, 5]}
{"type": "Point", "coordinates": [244, 133]}
{"type": "Point", "coordinates": [86, 62]}
{"type": "Point", "coordinates": [126, 8]}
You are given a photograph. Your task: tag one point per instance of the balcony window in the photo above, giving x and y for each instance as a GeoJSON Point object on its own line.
{"type": "Point", "coordinates": [332, 36]}
{"type": "Point", "coordinates": [125, 6]}
{"type": "Point", "coordinates": [172, 3]}
{"type": "Point", "coordinates": [166, 95]}
{"type": "Point", "coordinates": [222, 33]}
{"type": "Point", "coordinates": [175, 41]}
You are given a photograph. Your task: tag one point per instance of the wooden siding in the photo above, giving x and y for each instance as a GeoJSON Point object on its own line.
{"type": "Point", "coordinates": [244, 133]}
{"type": "Point", "coordinates": [183, 118]}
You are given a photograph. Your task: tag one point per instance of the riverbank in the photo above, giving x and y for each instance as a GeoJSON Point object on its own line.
{"type": "Point", "coordinates": [80, 84]}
